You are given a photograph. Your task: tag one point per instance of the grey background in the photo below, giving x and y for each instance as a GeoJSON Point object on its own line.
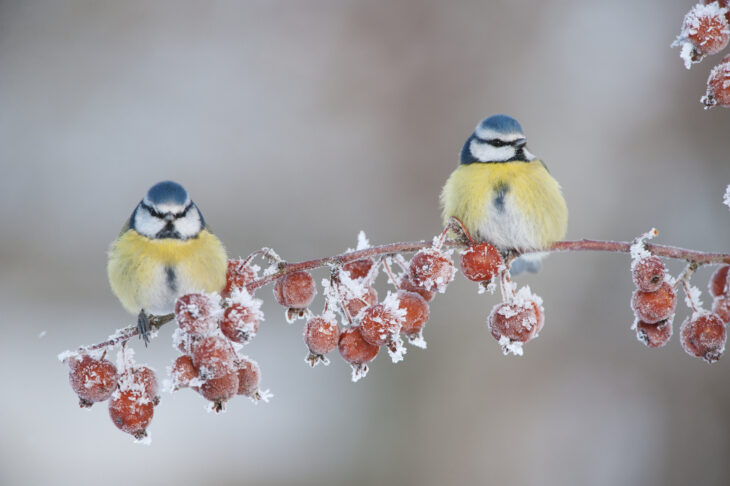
{"type": "Point", "coordinates": [295, 125]}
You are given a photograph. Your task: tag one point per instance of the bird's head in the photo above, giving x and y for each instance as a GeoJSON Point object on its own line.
{"type": "Point", "coordinates": [498, 138]}
{"type": "Point", "coordinates": [167, 212]}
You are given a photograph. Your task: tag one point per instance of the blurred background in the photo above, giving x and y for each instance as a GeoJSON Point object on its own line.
{"type": "Point", "coordinates": [297, 124]}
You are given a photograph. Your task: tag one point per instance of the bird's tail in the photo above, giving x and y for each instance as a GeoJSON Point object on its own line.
{"type": "Point", "coordinates": [531, 263]}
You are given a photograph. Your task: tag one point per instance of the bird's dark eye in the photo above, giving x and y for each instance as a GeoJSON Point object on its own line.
{"type": "Point", "coordinates": [497, 143]}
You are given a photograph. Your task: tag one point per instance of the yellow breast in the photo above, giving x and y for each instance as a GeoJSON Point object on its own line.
{"type": "Point", "coordinates": [151, 274]}
{"type": "Point", "coordinates": [512, 204]}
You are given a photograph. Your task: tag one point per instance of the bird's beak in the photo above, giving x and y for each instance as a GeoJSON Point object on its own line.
{"type": "Point", "coordinates": [519, 143]}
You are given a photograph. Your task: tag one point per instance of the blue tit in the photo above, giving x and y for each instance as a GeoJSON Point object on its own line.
{"type": "Point", "coordinates": [503, 194]}
{"type": "Point", "coordinates": [163, 252]}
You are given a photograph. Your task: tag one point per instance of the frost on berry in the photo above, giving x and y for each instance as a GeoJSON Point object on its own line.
{"type": "Point", "coordinates": [220, 390]}
{"type": "Point", "coordinates": [703, 335]}
{"type": "Point", "coordinates": [358, 269]}
{"type": "Point", "coordinates": [214, 357]}
{"type": "Point", "coordinates": [197, 314]}
{"type": "Point", "coordinates": [249, 377]}
{"type": "Point", "coordinates": [380, 323]}
{"type": "Point", "coordinates": [321, 335]}
{"type": "Point", "coordinates": [147, 380]}
{"type": "Point", "coordinates": [652, 307]}
{"type": "Point", "coordinates": [704, 32]}
{"type": "Point", "coordinates": [183, 372]}
{"type": "Point", "coordinates": [515, 322]}
{"type": "Point", "coordinates": [295, 290]}
{"type": "Point", "coordinates": [416, 315]}
{"type": "Point", "coordinates": [654, 335]}
{"type": "Point", "coordinates": [355, 305]}
{"type": "Point", "coordinates": [239, 273]}
{"type": "Point", "coordinates": [481, 262]}
{"type": "Point", "coordinates": [130, 412]}
{"type": "Point", "coordinates": [356, 351]}
{"type": "Point", "coordinates": [718, 282]}
{"type": "Point", "coordinates": [721, 307]}
{"type": "Point", "coordinates": [648, 273]}
{"type": "Point", "coordinates": [407, 284]}
{"type": "Point", "coordinates": [718, 86]}
{"type": "Point", "coordinates": [240, 321]}
{"type": "Point", "coordinates": [431, 269]}
{"type": "Point", "coordinates": [93, 380]}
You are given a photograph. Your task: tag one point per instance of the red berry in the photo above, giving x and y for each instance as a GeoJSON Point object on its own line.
{"type": "Point", "coordinates": [214, 357]}
{"type": "Point", "coordinates": [654, 335]}
{"type": "Point", "coordinates": [93, 380]}
{"type": "Point", "coordinates": [718, 282]}
{"type": "Point", "coordinates": [481, 262]}
{"type": "Point", "coordinates": [219, 390]}
{"type": "Point", "coordinates": [703, 336]}
{"type": "Point", "coordinates": [706, 28]}
{"type": "Point", "coordinates": [648, 273]}
{"type": "Point", "coordinates": [652, 307]}
{"type": "Point", "coordinates": [356, 304]}
{"type": "Point", "coordinates": [321, 335]}
{"type": "Point", "coordinates": [239, 323]}
{"type": "Point", "coordinates": [379, 324]}
{"type": "Point", "coordinates": [718, 86]}
{"type": "Point", "coordinates": [249, 377]}
{"type": "Point", "coordinates": [407, 284]}
{"type": "Point", "coordinates": [514, 323]}
{"type": "Point", "coordinates": [238, 275]}
{"type": "Point", "coordinates": [354, 349]}
{"type": "Point", "coordinates": [431, 269]}
{"type": "Point", "coordinates": [417, 312]}
{"type": "Point", "coordinates": [131, 412]}
{"type": "Point", "coordinates": [196, 314]}
{"type": "Point", "coordinates": [145, 378]}
{"type": "Point", "coordinates": [358, 269]}
{"type": "Point", "coordinates": [721, 307]}
{"type": "Point", "coordinates": [295, 290]}
{"type": "Point", "coordinates": [183, 372]}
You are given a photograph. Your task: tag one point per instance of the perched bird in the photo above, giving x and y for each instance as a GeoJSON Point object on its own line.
{"type": "Point", "coordinates": [503, 194]}
{"type": "Point", "coordinates": [164, 251]}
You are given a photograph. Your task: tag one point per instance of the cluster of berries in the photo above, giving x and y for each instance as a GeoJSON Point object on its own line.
{"type": "Point", "coordinates": [654, 301]}
{"type": "Point", "coordinates": [211, 333]}
{"type": "Point", "coordinates": [706, 31]}
{"type": "Point", "coordinates": [132, 394]}
{"type": "Point", "coordinates": [365, 324]}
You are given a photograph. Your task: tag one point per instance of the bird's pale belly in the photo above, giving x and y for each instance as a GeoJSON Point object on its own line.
{"type": "Point", "coordinates": [169, 283]}
{"type": "Point", "coordinates": [506, 226]}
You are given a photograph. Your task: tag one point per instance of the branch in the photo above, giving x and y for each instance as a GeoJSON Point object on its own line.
{"type": "Point", "coordinates": [697, 257]}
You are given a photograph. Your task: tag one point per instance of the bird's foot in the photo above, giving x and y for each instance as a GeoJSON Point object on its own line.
{"type": "Point", "coordinates": [143, 327]}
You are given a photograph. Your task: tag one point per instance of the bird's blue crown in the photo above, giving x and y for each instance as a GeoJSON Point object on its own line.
{"type": "Point", "coordinates": [167, 192]}
{"type": "Point", "coordinates": [496, 125]}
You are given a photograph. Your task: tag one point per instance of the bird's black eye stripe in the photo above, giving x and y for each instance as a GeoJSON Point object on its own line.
{"type": "Point", "coordinates": [160, 215]}
{"type": "Point", "coordinates": [495, 142]}
{"type": "Point", "coordinates": [152, 211]}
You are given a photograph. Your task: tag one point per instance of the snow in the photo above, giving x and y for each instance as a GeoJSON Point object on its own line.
{"type": "Point", "coordinates": [418, 340]}
{"type": "Point", "coordinates": [509, 346]}
{"type": "Point", "coordinates": [42, 334]}
{"type": "Point", "coordinates": [396, 350]}
{"type": "Point", "coordinates": [359, 372]}
{"type": "Point", "coordinates": [638, 249]}
{"type": "Point", "coordinates": [693, 297]}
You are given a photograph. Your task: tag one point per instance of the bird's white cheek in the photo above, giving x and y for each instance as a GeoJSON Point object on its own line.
{"type": "Point", "coordinates": [147, 225]}
{"type": "Point", "coordinates": [188, 226]}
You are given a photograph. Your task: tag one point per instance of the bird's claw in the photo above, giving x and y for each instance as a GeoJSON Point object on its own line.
{"type": "Point", "coordinates": [143, 327]}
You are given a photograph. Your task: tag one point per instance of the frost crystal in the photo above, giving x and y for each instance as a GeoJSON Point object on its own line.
{"type": "Point", "coordinates": [508, 346]}
{"type": "Point", "coordinates": [362, 241]}
{"type": "Point", "coordinates": [396, 350]}
{"type": "Point", "coordinates": [359, 372]}
{"type": "Point", "coordinates": [692, 297]}
{"type": "Point", "coordinates": [638, 249]}
{"type": "Point", "coordinates": [726, 198]}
